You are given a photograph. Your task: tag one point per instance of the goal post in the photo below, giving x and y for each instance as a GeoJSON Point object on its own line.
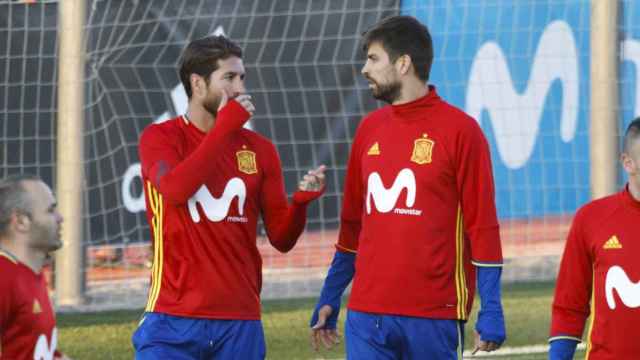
{"type": "Point", "coordinates": [605, 57]}
{"type": "Point", "coordinates": [70, 184]}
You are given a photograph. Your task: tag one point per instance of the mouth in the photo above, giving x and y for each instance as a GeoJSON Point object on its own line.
{"type": "Point", "coordinates": [370, 80]}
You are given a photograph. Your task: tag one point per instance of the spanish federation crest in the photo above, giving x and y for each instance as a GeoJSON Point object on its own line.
{"type": "Point", "coordinates": [422, 150]}
{"type": "Point", "coordinates": [247, 161]}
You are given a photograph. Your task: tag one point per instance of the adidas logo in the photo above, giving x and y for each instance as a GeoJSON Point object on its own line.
{"type": "Point", "coordinates": [37, 309]}
{"type": "Point", "coordinates": [374, 149]}
{"type": "Point", "coordinates": [612, 243]}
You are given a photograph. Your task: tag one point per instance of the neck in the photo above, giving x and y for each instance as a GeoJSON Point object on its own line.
{"type": "Point", "coordinates": [200, 117]}
{"type": "Point", "coordinates": [33, 259]}
{"type": "Point", "coordinates": [411, 91]}
{"type": "Point", "coordinates": [634, 190]}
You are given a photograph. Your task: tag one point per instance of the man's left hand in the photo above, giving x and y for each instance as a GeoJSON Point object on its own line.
{"type": "Point", "coordinates": [487, 346]}
{"type": "Point", "coordinates": [313, 180]}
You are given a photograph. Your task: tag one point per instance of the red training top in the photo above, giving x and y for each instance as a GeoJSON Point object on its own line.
{"type": "Point", "coordinates": [419, 209]}
{"type": "Point", "coordinates": [204, 193]}
{"type": "Point", "coordinates": [27, 321]}
{"type": "Point", "coordinates": [600, 276]}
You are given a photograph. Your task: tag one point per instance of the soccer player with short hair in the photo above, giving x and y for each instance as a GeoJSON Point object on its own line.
{"type": "Point", "coordinates": [418, 220]}
{"type": "Point", "coordinates": [29, 232]}
{"type": "Point", "coordinates": [599, 273]}
{"type": "Point", "coordinates": [206, 182]}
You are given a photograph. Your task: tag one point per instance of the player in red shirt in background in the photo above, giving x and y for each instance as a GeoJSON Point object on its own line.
{"type": "Point", "coordinates": [418, 218]}
{"type": "Point", "coordinates": [29, 232]}
{"type": "Point", "coordinates": [600, 273]}
{"type": "Point", "coordinates": [207, 180]}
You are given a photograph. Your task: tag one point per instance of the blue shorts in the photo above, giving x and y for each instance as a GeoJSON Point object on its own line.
{"type": "Point", "coordinates": [377, 336]}
{"type": "Point", "coordinates": [162, 336]}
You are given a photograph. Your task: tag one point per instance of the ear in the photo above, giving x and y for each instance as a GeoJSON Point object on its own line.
{"type": "Point", "coordinates": [20, 222]}
{"type": "Point", "coordinates": [403, 64]}
{"type": "Point", "coordinates": [198, 85]}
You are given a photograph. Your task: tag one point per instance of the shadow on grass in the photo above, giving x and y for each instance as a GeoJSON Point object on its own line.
{"type": "Point", "coordinates": [269, 307]}
{"type": "Point", "coordinates": [74, 320]}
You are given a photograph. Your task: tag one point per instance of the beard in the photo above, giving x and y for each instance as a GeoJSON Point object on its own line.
{"type": "Point", "coordinates": [46, 237]}
{"type": "Point", "coordinates": [211, 104]}
{"type": "Point", "coordinates": [388, 93]}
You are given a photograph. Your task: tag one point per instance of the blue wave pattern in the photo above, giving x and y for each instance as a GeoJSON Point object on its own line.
{"type": "Point", "coordinates": [539, 140]}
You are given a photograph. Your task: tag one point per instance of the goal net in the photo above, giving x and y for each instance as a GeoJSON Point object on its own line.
{"type": "Point", "coordinates": [520, 68]}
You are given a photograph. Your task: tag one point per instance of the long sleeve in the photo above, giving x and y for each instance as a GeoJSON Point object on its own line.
{"type": "Point", "coordinates": [177, 179]}
{"type": "Point", "coordinates": [352, 202]}
{"type": "Point", "coordinates": [572, 296]}
{"type": "Point", "coordinates": [339, 276]}
{"type": "Point", "coordinates": [283, 222]}
{"type": "Point", "coordinates": [490, 324]}
{"type": "Point", "coordinates": [562, 349]}
{"type": "Point", "coordinates": [5, 306]}
{"type": "Point", "coordinates": [475, 184]}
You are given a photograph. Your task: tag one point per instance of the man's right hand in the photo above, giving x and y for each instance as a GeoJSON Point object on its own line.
{"type": "Point", "coordinates": [321, 335]}
{"type": "Point", "coordinates": [244, 100]}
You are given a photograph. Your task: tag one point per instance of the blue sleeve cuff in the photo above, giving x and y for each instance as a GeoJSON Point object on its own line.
{"type": "Point", "coordinates": [490, 324]}
{"type": "Point", "coordinates": [338, 278]}
{"type": "Point", "coordinates": [562, 349]}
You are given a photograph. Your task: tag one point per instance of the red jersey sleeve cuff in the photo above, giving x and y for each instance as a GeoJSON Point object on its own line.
{"type": "Point", "coordinates": [344, 249]}
{"type": "Point", "coordinates": [565, 337]}
{"type": "Point", "coordinates": [567, 322]}
{"type": "Point", "coordinates": [305, 197]}
{"type": "Point", "coordinates": [234, 114]}
{"type": "Point", "coordinates": [486, 249]}
{"type": "Point", "coordinates": [486, 263]}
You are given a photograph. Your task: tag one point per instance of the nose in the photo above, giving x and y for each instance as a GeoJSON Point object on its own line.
{"type": "Point", "coordinates": [238, 87]}
{"type": "Point", "coordinates": [59, 218]}
{"type": "Point", "coordinates": [365, 69]}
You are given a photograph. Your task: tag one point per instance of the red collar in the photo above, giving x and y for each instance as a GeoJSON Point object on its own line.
{"type": "Point", "coordinates": [416, 109]}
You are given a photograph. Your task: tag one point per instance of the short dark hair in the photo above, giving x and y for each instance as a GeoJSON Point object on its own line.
{"type": "Point", "coordinates": [403, 35]}
{"type": "Point", "coordinates": [632, 133]}
{"type": "Point", "coordinates": [14, 197]}
{"type": "Point", "coordinates": [201, 57]}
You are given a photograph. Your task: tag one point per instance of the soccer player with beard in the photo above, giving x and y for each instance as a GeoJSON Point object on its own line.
{"type": "Point", "coordinates": [418, 221]}
{"type": "Point", "coordinates": [206, 181]}
{"type": "Point", "coordinates": [599, 273]}
{"type": "Point", "coordinates": [29, 233]}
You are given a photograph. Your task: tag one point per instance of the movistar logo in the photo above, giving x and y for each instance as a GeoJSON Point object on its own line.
{"type": "Point", "coordinates": [515, 118]}
{"type": "Point", "coordinates": [44, 350]}
{"type": "Point", "coordinates": [216, 209]}
{"type": "Point", "coordinates": [628, 291]}
{"type": "Point", "coordinates": [385, 199]}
